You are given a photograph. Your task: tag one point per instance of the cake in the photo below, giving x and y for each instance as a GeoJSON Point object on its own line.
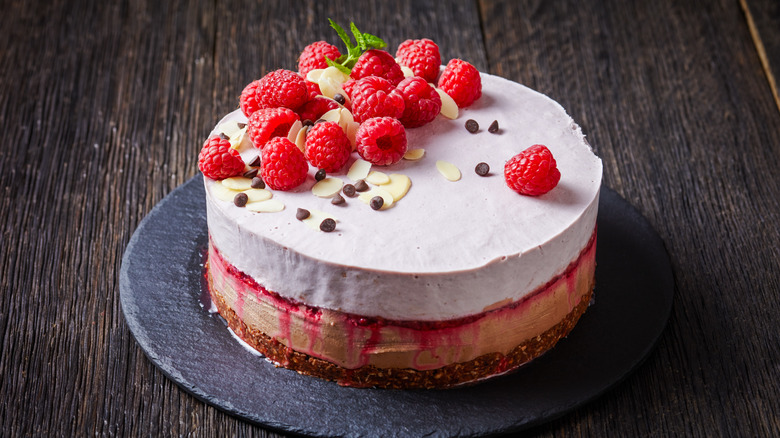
{"type": "Point", "coordinates": [455, 278]}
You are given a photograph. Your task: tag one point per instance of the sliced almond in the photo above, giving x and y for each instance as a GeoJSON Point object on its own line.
{"type": "Point", "coordinates": [267, 206]}
{"type": "Point", "coordinates": [300, 139]}
{"type": "Point", "coordinates": [377, 191]}
{"type": "Point", "coordinates": [229, 128]}
{"type": "Point", "coordinates": [407, 71]}
{"type": "Point", "coordinates": [331, 115]}
{"type": "Point", "coordinates": [398, 187]}
{"type": "Point", "coordinates": [330, 88]}
{"type": "Point", "coordinates": [448, 170]}
{"type": "Point", "coordinates": [449, 108]}
{"type": "Point", "coordinates": [223, 193]}
{"type": "Point", "coordinates": [335, 74]}
{"type": "Point", "coordinates": [414, 154]}
{"type": "Point", "coordinates": [315, 219]}
{"type": "Point", "coordinates": [377, 178]}
{"type": "Point", "coordinates": [327, 187]}
{"type": "Point", "coordinates": [345, 119]}
{"type": "Point", "coordinates": [257, 195]}
{"type": "Point", "coordinates": [352, 129]}
{"type": "Point", "coordinates": [292, 134]}
{"type": "Point", "coordinates": [359, 170]}
{"type": "Point", "coordinates": [314, 75]}
{"type": "Point", "coordinates": [238, 183]}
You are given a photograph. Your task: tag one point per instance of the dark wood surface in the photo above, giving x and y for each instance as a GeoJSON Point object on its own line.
{"type": "Point", "coordinates": [104, 106]}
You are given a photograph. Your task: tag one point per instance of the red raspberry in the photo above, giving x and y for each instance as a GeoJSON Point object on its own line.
{"type": "Point", "coordinates": [282, 88]}
{"type": "Point", "coordinates": [248, 100]}
{"type": "Point", "coordinates": [217, 160]}
{"type": "Point", "coordinates": [377, 63]}
{"type": "Point", "coordinates": [348, 87]}
{"type": "Point", "coordinates": [267, 123]}
{"type": "Point", "coordinates": [313, 56]}
{"type": "Point", "coordinates": [461, 81]}
{"type": "Point", "coordinates": [422, 56]}
{"type": "Point", "coordinates": [283, 165]}
{"type": "Point", "coordinates": [327, 147]}
{"type": "Point", "coordinates": [421, 102]}
{"type": "Point", "coordinates": [373, 96]}
{"type": "Point", "coordinates": [314, 89]}
{"type": "Point", "coordinates": [532, 172]}
{"type": "Point", "coordinates": [381, 140]}
{"type": "Point", "coordinates": [316, 107]}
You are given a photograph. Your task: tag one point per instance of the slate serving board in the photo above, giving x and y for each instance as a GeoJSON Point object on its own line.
{"type": "Point", "coordinates": [161, 286]}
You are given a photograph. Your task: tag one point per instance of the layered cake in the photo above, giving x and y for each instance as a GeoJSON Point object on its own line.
{"type": "Point", "coordinates": [429, 271]}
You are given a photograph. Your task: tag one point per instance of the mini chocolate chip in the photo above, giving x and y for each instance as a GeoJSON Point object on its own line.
{"type": "Point", "coordinates": [240, 199]}
{"type": "Point", "coordinates": [377, 202]}
{"type": "Point", "coordinates": [340, 99]}
{"type": "Point", "coordinates": [320, 175]}
{"type": "Point", "coordinates": [257, 183]}
{"type": "Point", "coordinates": [223, 136]}
{"type": "Point", "coordinates": [493, 127]}
{"type": "Point", "coordinates": [361, 186]}
{"type": "Point", "coordinates": [472, 126]}
{"type": "Point", "coordinates": [302, 214]}
{"type": "Point", "coordinates": [349, 190]}
{"type": "Point", "coordinates": [251, 173]}
{"type": "Point", "coordinates": [337, 200]}
{"type": "Point", "coordinates": [255, 161]}
{"type": "Point", "coordinates": [328, 225]}
{"type": "Point", "coordinates": [241, 125]}
{"type": "Point", "coordinates": [482, 169]}
{"type": "Point", "coordinates": [307, 122]}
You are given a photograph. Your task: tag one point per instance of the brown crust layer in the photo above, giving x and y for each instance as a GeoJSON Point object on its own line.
{"type": "Point", "coordinates": [370, 376]}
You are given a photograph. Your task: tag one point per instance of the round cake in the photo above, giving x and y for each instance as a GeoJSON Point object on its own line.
{"type": "Point", "coordinates": [457, 281]}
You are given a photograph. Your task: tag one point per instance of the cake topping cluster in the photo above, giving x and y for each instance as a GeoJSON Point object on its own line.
{"type": "Point", "coordinates": [362, 102]}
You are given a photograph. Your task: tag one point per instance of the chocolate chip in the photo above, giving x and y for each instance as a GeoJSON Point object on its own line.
{"type": "Point", "coordinates": [320, 175]}
{"type": "Point", "coordinates": [251, 173]}
{"type": "Point", "coordinates": [240, 199]}
{"type": "Point", "coordinates": [337, 200]}
{"type": "Point", "coordinates": [257, 183]}
{"type": "Point", "coordinates": [255, 161]}
{"type": "Point", "coordinates": [361, 186]}
{"type": "Point", "coordinates": [340, 99]}
{"type": "Point", "coordinates": [302, 214]}
{"type": "Point", "coordinates": [328, 225]}
{"type": "Point", "coordinates": [349, 190]}
{"type": "Point", "coordinates": [493, 128]}
{"type": "Point", "coordinates": [223, 136]}
{"type": "Point", "coordinates": [482, 169]}
{"type": "Point", "coordinates": [377, 202]}
{"type": "Point", "coordinates": [241, 125]}
{"type": "Point", "coordinates": [307, 122]}
{"type": "Point", "coordinates": [472, 126]}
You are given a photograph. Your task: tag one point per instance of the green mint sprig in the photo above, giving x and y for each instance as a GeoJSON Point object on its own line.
{"type": "Point", "coordinates": [363, 42]}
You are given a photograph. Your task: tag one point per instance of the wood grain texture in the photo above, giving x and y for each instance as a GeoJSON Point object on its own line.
{"type": "Point", "coordinates": [104, 107]}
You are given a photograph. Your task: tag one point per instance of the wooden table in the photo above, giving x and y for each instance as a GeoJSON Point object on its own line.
{"type": "Point", "coordinates": [104, 106]}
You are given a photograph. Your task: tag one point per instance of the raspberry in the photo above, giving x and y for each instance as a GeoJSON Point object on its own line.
{"type": "Point", "coordinates": [532, 172]}
{"type": "Point", "coordinates": [381, 140]}
{"type": "Point", "coordinates": [422, 56]}
{"type": "Point", "coordinates": [461, 81]}
{"type": "Point", "coordinates": [283, 165]}
{"type": "Point", "coordinates": [281, 88]}
{"type": "Point", "coordinates": [327, 147]}
{"type": "Point", "coordinates": [248, 100]}
{"type": "Point", "coordinates": [373, 96]}
{"type": "Point", "coordinates": [313, 56]}
{"type": "Point", "coordinates": [267, 123]}
{"type": "Point", "coordinates": [349, 87]}
{"type": "Point", "coordinates": [421, 102]}
{"type": "Point", "coordinates": [314, 89]}
{"type": "Point", "coordinates": [377, 63]}
{"type": "Point", "coordinates": [217, 160]}
{"type": "Point", "coordinates": [316, 107]}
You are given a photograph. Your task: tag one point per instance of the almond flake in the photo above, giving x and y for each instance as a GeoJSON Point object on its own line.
{"type": "Point", "coordinates": [314, 75]}
{"type": "Point", "coordinates": [267, 206]}
{"type": "Point", "coordinates": [238, 183]}
{"type": "Point", "coordinates": [407, 71]}
{"type": "Point", "coordinates": [398, 187]}
{"type": "Point", "coordinates": [331, 115]}
{"type": "Point", "coordinates": [257, 195]}
{"type": "Point", "coordinates": [359, 170]}
{"type": "Point", "coordinates": [222, 192]}
{"type": "Point", "coordinates": [352, 129]}
{"type": "Point", "coordinates": [327, 187]}
{"type": "Point", "coordinates": [377, 178]}
{"type": "Point", "coordinates": [292, 134]}
{"type": "Point", "coordinates": [449, 108]}
{"type": "Point", "coordinates": [300, 139]}
{"type": "Point", "coordinates": [448, 170]}
{"type": "Point", "coordinates": [414, 154]}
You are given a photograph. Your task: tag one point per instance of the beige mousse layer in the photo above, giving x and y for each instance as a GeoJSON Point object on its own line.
{"type": "Point", "coordinates": [351, 342]}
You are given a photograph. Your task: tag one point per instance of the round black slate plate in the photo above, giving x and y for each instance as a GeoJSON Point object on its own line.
{"type": "Point", "coordinates": [160, 285]}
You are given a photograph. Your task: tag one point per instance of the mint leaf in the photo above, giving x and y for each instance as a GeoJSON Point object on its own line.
{"type": "Point", "coordinates": [361, 43]}
{"type": "Point", "coordinates": [374, 42]}
{"type": "Point", "coordinates": [342, 34]}
{"type": "Point", "coordinates": [341, 68]}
